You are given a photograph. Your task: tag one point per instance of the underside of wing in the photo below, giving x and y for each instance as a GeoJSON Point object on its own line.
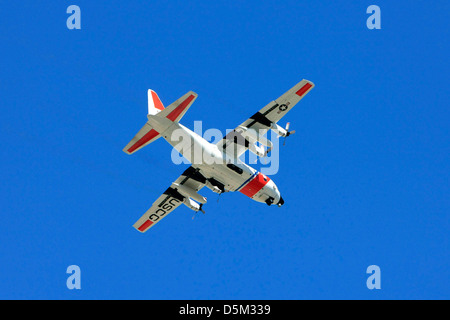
{"type": "Point", "coordinates": [165, 204]}
{"type": "Point", "coordinates": [182, 191]}
{"type": "Point", "coordinates": [252, 130]}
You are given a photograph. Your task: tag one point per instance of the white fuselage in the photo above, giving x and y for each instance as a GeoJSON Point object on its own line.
{"type": "Point", "coordinates": [214, 163]}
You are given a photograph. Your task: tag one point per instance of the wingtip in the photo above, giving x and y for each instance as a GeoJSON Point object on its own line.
{"type": "Point", "coordinates": [140, 231]}
{"type": "Point", "coordinates": [310, 82]}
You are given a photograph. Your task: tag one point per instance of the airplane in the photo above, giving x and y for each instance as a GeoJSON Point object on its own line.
{"type": "Point", "coordinates": [224, 172]}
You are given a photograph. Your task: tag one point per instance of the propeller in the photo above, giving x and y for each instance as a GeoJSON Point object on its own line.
{"type": "Point", "coordinates": [200, 209]}
{"type": "Point", "coordinates": [288, 133]}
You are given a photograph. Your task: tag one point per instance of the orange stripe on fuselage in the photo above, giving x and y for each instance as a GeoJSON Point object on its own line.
{"type": "Point", "coordinates": [255, 185]}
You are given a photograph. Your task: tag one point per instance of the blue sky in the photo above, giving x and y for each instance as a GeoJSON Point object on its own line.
{"type": "Point", "coordinates": [365, 178]}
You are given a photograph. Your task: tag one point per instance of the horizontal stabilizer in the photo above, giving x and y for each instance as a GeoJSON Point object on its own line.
{"type": "Point", "coordinates": [176, 110]}
{"type": "Point", "coordinates": [144, 137]}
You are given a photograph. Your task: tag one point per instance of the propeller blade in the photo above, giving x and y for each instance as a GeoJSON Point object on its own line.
{"type": "Point", "coordinates": [288, 133]}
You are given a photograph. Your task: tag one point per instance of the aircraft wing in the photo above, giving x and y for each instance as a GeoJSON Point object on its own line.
{"type": "Point", "coordinates": [170, 199]}
{"type": "Point", "coordinates": [233, 143]}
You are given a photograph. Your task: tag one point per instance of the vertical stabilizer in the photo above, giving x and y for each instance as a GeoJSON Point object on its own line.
{"type": "Point", "coordinates": [154, 103]}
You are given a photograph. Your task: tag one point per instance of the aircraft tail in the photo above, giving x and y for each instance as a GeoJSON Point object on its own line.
{"type": "Point", "coordinates": [174, 112]}
{"type": "Point", "coordinates": [147, 134]}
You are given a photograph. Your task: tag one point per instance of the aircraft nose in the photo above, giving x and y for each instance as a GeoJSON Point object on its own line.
{"type": "Point", "coordinates": [275, 194]}
{"type": "Point", "coordinates": [281, 202]}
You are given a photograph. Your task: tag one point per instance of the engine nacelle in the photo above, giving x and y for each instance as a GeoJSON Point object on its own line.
{"type": "Point", "coordinates": [259, 151]}
{"type": "Point", "coordinates": [254, 136]}
{"type": "Point", "coordinates": [191, 204]}
{"type": "Point", "coordinates": [213, 187]}
{"type": "Point", "coordinates": [279, 130]}
{"type": "Point", "coordinates": [189, 193]}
